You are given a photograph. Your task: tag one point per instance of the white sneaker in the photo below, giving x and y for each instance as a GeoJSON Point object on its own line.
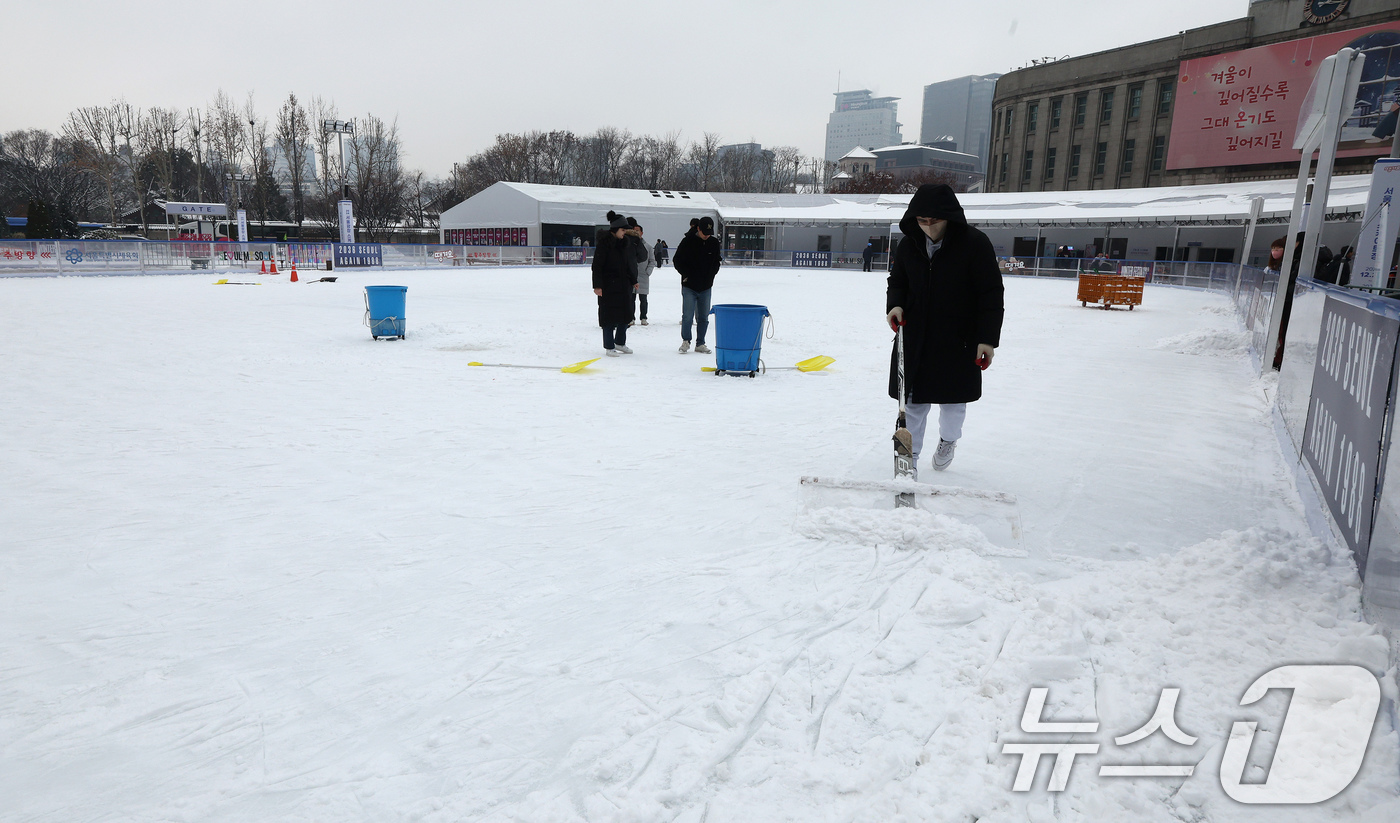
{"type": "Point", "coordinates": [644, 322]}
{"type": "Point", "coordinates": [623, 349]}
{"type": "Point", "coordinates": [685, 346]}
{"type": "Point", "coordinates": [702, 349]}
{"type": "Point", "coordinates": [944, 456]}
{"type": "Point", "coordinates": [614, 353]}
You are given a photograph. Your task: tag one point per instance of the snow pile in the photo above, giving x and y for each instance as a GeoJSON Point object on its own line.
{"type": "Point", "coordinates": [1215, 342]}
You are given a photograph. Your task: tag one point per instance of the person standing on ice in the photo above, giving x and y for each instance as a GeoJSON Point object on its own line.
{"type": "Point", "coordinates": [661, 253]}
{"type": "Point", "coordinates": [643, 265]}
{"type": "Point", "coordinates": [614, 281]}
{"type": "Point", "coordinates": [945, 289]}
{"type": "Point", "coordinates": [697, 260]}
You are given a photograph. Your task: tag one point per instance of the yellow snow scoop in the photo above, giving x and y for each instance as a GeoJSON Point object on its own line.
{"type": "Point", "coordinates": [810, 364]}
{"type": "Point", "coordinates": [226, 282]}
{"type": "Point", "coordinates": [570, 369]}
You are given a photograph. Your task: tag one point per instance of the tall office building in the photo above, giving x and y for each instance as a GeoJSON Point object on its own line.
{"type": "Point", "coordinates": [961, 109]}
{"type": "Point", "coordinates": [861, 119]}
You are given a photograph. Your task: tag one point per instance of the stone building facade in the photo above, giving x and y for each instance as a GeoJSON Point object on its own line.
{"type": "Point", "coordinates": [1104, 121]}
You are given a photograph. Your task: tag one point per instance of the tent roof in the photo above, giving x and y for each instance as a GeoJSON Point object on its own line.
{"type": "Point", "coordinates": [1220, 204]}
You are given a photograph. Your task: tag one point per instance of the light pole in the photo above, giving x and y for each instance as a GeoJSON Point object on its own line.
{"type": "Point", "coordinates": [238, 180]}
{"type": "Point", "coordinates": [340, 128]}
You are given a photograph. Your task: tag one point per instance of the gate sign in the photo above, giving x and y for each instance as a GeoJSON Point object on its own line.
{"type": "Point", "coordinates": [201, 209]}
{"type": "Point", "coordinates": [1377, 238]}
{"type": "Point", "coordinates": [242, 226]}
{"type": "Point", "coordinates": [1342, 438]}
{"type": "Point", "coordinates": [358, 254]}
{"type": "Point", "coordinates": [811, 259]}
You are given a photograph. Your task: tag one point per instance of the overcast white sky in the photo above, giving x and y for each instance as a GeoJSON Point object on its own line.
{"type": "Point", "coordinates": [455, 74]}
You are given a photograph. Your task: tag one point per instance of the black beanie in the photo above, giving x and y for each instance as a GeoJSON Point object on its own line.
{"type": "Point", "coordinates": [616, 221]}
{"type": "Point", "coordinates": [631, 222]}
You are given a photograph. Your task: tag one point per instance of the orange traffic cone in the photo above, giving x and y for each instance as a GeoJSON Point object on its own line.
{"type": "Point", "coordinates": [264, 267]}
{"type": "Point", "coordinates": [294, 271]}
{"type": "Point", "coordinates": [274, 266]}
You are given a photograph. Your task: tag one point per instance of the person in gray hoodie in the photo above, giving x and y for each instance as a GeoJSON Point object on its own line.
{"type": "Point", "coordinates": [645, 266]}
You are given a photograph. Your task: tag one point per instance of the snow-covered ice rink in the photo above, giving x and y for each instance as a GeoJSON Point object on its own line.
{"type": "Point", "coordinates": [257, 566]}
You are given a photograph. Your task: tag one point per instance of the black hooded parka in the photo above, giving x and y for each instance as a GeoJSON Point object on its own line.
{"type": "Point", "coordinates": [951, 303]}
{"type": "Point", "coordinates": [614, 273]}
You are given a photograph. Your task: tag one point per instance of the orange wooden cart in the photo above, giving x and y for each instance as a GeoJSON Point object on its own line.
{"type": "Point", "coordinates": [1110, 290]}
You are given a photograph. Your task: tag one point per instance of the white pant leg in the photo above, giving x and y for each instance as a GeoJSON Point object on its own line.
{"type": "Point", "coordinates": [950, 420]}
{"type": "Point", "coordinates": [916, 420]}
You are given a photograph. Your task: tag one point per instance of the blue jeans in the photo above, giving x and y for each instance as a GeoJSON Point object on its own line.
{"type": "Point", "coordinates": [695, 305]}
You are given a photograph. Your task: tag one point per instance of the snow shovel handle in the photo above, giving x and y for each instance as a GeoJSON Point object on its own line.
{"type": "Point", "coordinates": [899, 346]}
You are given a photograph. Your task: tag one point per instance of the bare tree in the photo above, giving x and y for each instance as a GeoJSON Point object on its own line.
{"type": "Point", "coordinates": [130, 125]}
{"type": "Point", "coordinates": [602, 156]}
{"type": "Point", "coordinates": [702, 160]}
{"type": "Point", "coordinates": [378, 177]}
{"type": "Point", "coordinates": [662, 161]}
{"type": "Point", "coordinates": [226, 139]}
{"type": "Point", "coordinates": [322, 206]}
{"type": "Point", "coordinates": [293, 134]}
{"type": "Point", "coordinates": [265, 193]}
{"type": "Point", "coordinates": [93, 132]}
{"type": "Point", "coordinates": [37, 168]}
{"type": "Point", "coordinates": [162, 130]}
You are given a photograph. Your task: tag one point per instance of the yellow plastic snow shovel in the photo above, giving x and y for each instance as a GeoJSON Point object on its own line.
{"type": "Point", "coordinates": [570, 369]}
{"type": "Point", "coordinates": [810, 364]}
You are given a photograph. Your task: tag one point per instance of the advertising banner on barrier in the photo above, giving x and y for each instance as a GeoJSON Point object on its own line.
{"type": "Point", "coordinates": [811, 259]}
{"type": "Point", "coordinates": [346, 211]}
{"type": "Point", "coordinates": [1346, 414]}
{"type": "Point", "coordinates": [350, 255]}
{"type": "Point", "coordinates": [1382, 227]}
{"type": "Point", "coordinates": [570, 256]}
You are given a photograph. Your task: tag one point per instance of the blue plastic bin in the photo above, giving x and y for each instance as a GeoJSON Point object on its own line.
{"type": "Point", "coordinates": [384, 308]}
{"type": "Point", "coordinates": [738, 335]}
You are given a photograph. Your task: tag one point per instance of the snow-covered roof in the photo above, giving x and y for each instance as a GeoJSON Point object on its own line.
{"type": "Point", "coordinates": [920, 147]}
{"type": "Point", "coordinates": [858, 153]}
{"type": "Point", "coordinates": [1218, 204]}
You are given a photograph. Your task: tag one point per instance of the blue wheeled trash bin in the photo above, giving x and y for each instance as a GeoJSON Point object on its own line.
{"type": "Point", "coordinates": [738, 337]}
{"type": "Point", "coordinates": [384, 308]}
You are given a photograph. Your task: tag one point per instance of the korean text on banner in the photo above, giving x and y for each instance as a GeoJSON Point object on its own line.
{"type": "Point", "coordinates": [1241, 107]}
{"type": "Point", "coordinates": [1382, 227]}
{"type": "Point", "coordinates": [346, 210]}
{"type": "Point", "coordinates": [1342, 438]}
{"type": "Point", "coordinates": [242, 226]}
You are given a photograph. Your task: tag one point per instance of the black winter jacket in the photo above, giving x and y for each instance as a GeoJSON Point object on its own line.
{"type": "Point", "coordinates": [951, 303]}
{"type": "Point", "coordinates": [697, 260]}
{"type": "Point", "coordinates": [615, 273]}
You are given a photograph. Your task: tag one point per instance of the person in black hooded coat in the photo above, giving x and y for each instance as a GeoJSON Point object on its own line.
{"type": "Point", "coordinates": [614, 281]}
{"type": "Point", "coordinates": [945, 289]}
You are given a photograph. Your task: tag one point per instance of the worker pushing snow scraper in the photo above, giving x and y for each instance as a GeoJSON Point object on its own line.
{"type": "Point", "coordinates": [944, 301]}
{"type": "Point", "coordinates": [945, 295]}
